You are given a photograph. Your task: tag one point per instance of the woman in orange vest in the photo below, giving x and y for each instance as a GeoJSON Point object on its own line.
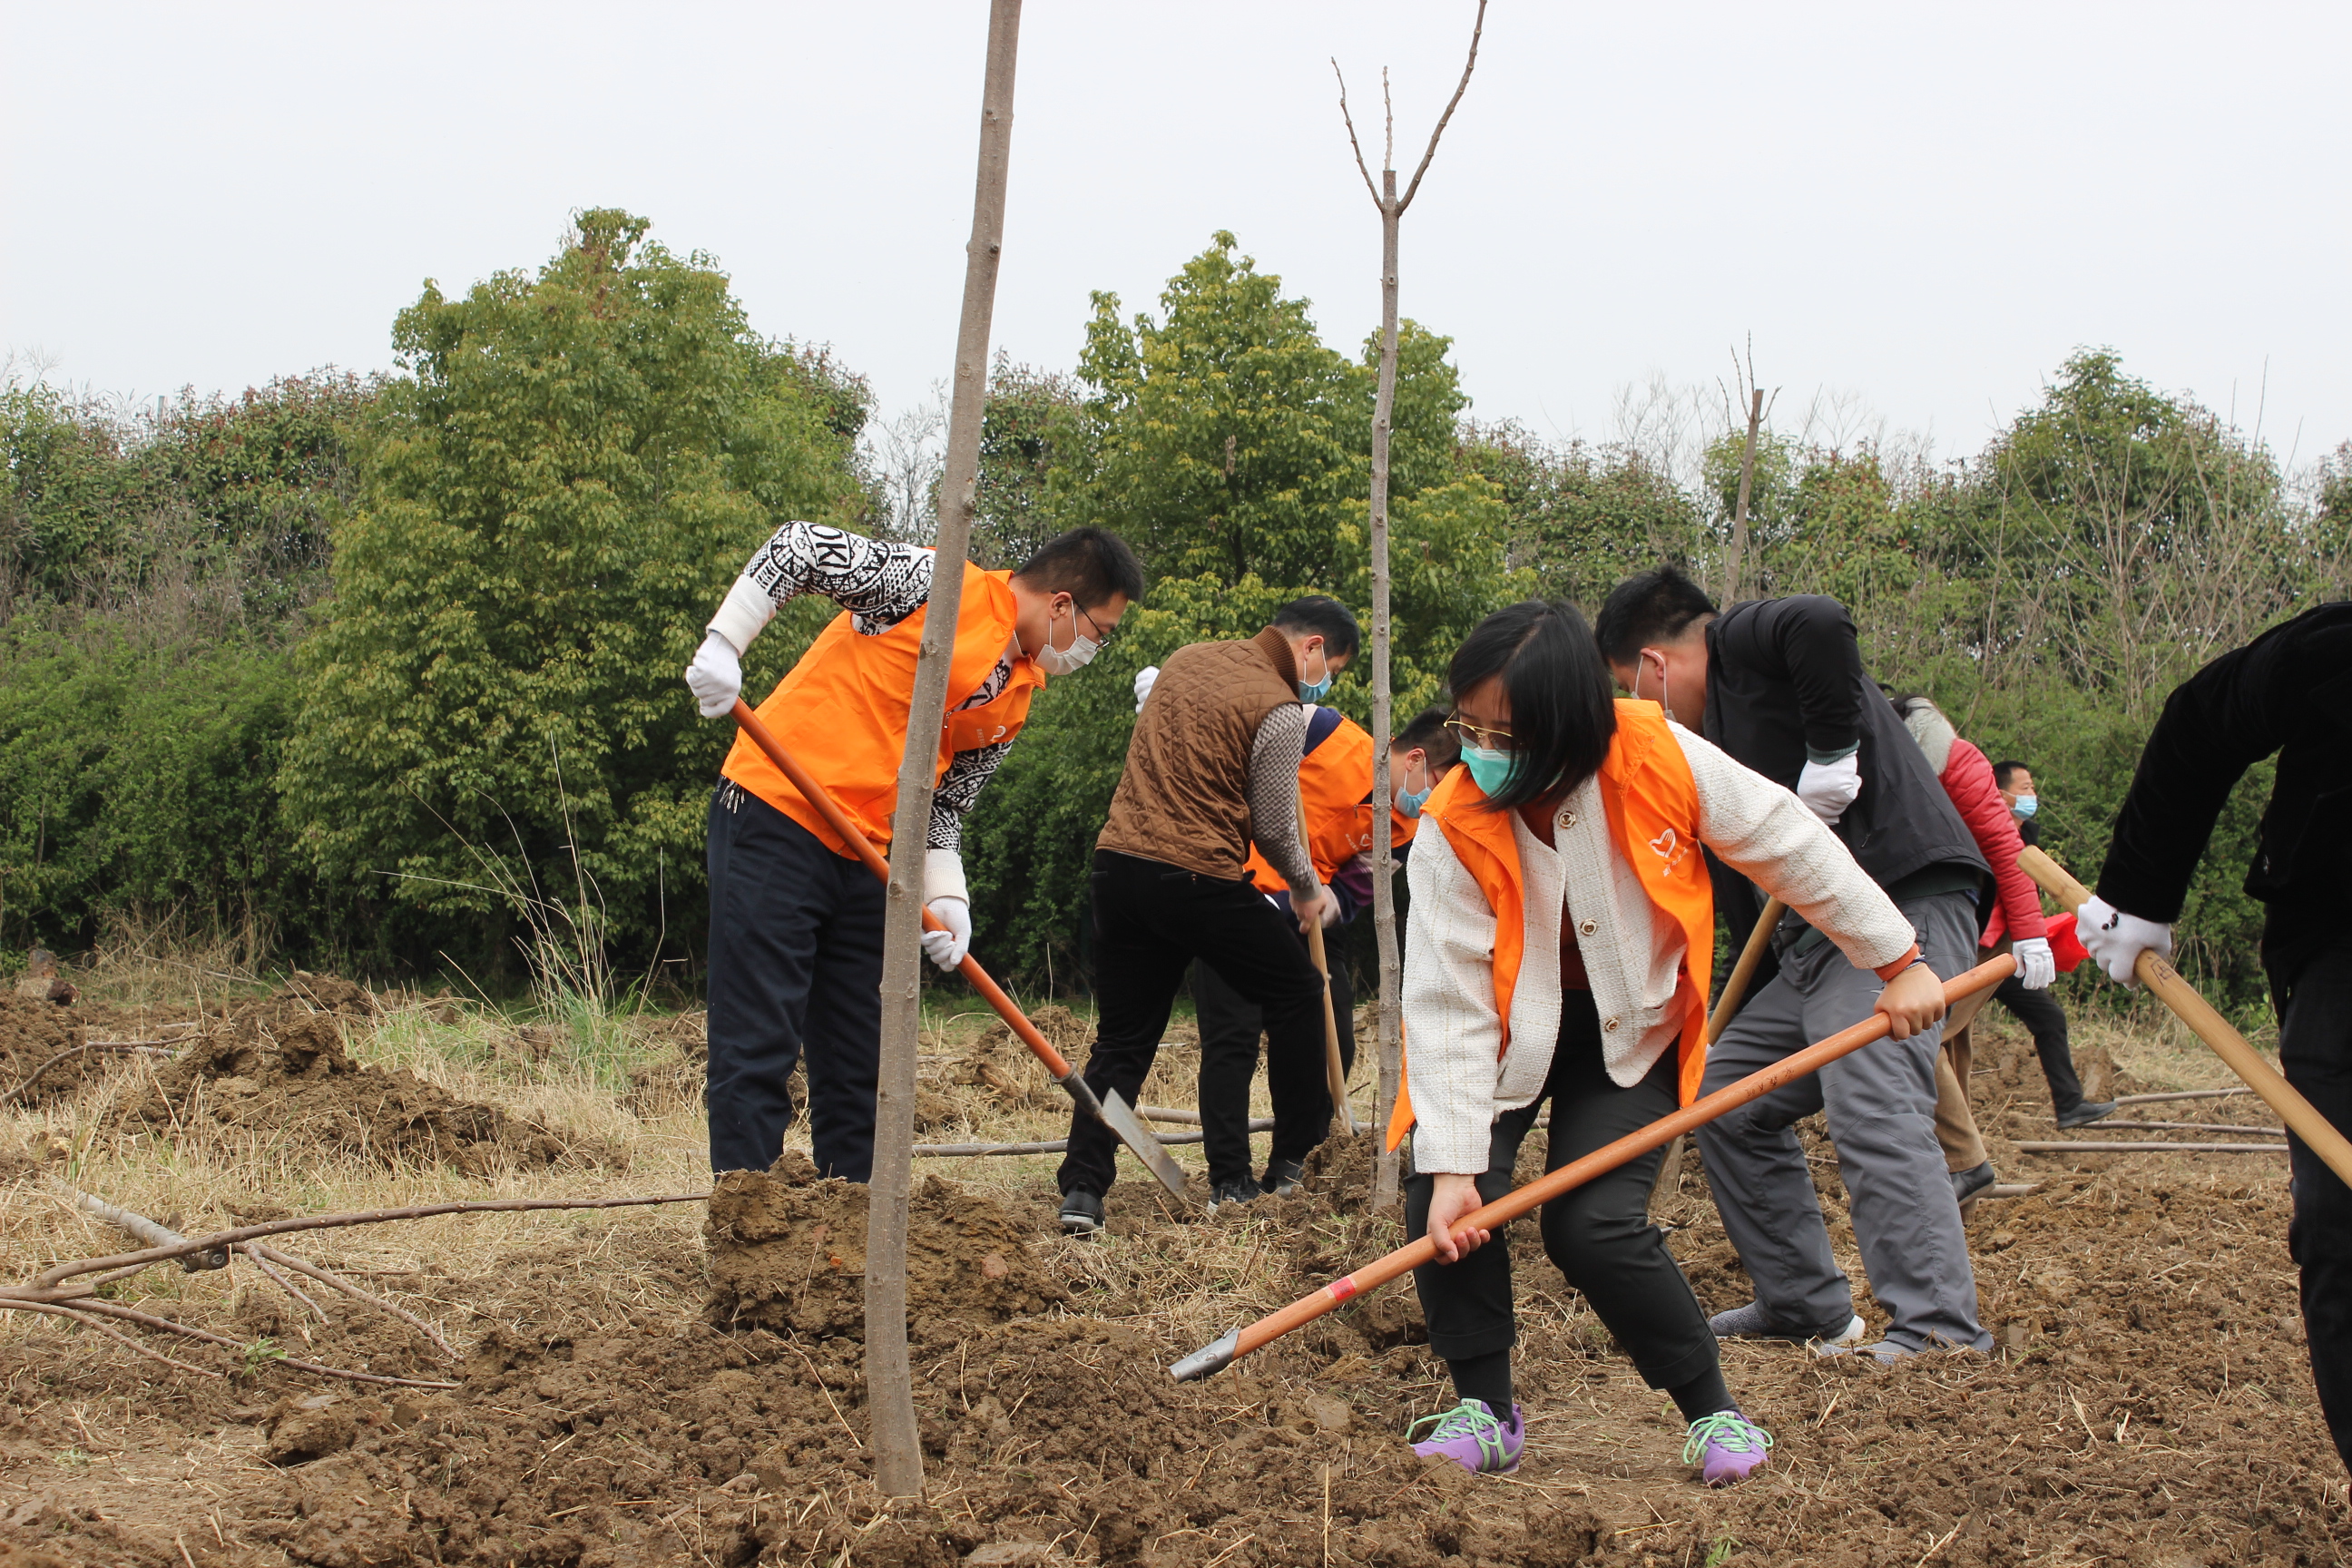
{"type": "Point", "coordinates": [795, 920]}
{"type": "Point", "coordinates": [1560, 948]}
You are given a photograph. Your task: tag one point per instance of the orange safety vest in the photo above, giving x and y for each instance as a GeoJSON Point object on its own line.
{"type": "Point", "coordinates": [1334, 783]}
{"type": "Point", "coordinates": [1652, 805]}
{"type": "Point", "coordinates": [843, 710]}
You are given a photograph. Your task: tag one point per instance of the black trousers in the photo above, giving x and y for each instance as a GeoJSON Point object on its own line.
{"type": "Point", "coordinates": [795, 970]}
{"type": "Point", "coordinates": [1598, 1235]}
{"type": "Point", "coordinates": [1150, 921]}
{"type": "Point", "coordinates": [2044, 1017]}
{"type": "Point", "coordinates": [2314, 1005]}
{"type": "Point", "coordinates": [1229, 1026]}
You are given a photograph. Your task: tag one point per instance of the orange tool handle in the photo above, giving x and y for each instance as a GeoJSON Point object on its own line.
{"type": "Point", "coordinates": [817, 797]}
{"type": "Point", "coordinates": [1215, 1357]}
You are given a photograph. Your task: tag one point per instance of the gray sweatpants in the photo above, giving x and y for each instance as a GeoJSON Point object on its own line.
{"type": "Point", "coordinates": [1881, 1105]}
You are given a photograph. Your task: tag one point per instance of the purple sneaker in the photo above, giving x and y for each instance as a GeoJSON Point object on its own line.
{"type": "Point", "coordinates": [1730, 1447]}
{"type": "Point", "coordinates": [1471, 1436]}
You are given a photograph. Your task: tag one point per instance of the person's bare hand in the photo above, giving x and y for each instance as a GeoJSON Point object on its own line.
{"type": "Point", "coordinates": [1456, 1195]}
{"type": "Point", "coordinates": [1913, 1000]}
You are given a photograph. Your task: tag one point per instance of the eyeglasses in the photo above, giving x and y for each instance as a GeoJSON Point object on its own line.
{"type": "Point", "coordinates": [1102, 634]}
{"type": "Point", "coordinates": [1469, 734]}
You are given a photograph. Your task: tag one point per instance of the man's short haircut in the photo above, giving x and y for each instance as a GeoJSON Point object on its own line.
{"type": "Point", "coordinates": [1648, 610]}
{"type": "Point", "coordinates": [2004, 772]}
{"type": "Point", "coordinates": [1092, 565]}
{"type": "Point", "coordinates": [1427, 733]}
{"type": "Point", "coordinates": [1563, 708]}
{"type": "Point", "coordinates": [1321, 613]}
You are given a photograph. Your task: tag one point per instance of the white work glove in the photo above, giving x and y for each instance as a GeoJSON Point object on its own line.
{"type": "Point", "coordinates": [1828, 788]}
{"type": "Point", "coordinates": [947, 948]}
{"type": "Point", "coordinates": [2114, 939]}
{"type": "Point", "coordinates": [2036, 966]}
{"type": "Point", "coordinates": [1145, 678]}
{"type": "Point", "coordinates": [716, 676]}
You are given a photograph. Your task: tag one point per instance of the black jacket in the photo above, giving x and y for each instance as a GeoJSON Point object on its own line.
{"type": "Point", "coordinates": [2289, 691]}
{"type": "Point", "coordinates": [1785, 683]}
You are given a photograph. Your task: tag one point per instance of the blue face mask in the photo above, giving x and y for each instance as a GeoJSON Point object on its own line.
{"type": "Point", "coordinates": [1490, 768]}
{"type": "Point", "coordinates": [2025, 806]}
{"type": "Point", "coordinates": [1315, 691]}
{"type": "Point", "coordinates": [1410, 802]}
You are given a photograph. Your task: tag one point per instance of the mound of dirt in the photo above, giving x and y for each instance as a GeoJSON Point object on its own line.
{"type": "Point", "coordinates": [33, 1034]}
{"type": "Point", "coordinates": [1006, 1075]}
{"type": "Point", "coordinates": [279, 1065]}
{"type": "Point", "coordinates": [788, 1254]}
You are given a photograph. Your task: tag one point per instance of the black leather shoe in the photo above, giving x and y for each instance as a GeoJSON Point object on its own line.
{"type": "Point", "coordinates": [1967, 1185]}
{"type": "Point", "coordinates": [2088, 1111]}
{"type": "Point", "coordinates": [1239, 1190]}
{"type": "Point", "coordinates": [1282, 1176]}
{"type": "Point", "coordinates": [1082, 1212]}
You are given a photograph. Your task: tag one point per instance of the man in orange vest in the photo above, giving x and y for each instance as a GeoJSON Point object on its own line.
{"type": "Point", "coordinates": [1213, 764]}
{"type": "Point", "coordinates": [1334, 787]}
{"type": "Point", "coordinates": [795, 920]}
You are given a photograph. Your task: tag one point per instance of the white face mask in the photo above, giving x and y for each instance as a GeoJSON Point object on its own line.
{"type": "Point", "coordinates": [1066, 660]}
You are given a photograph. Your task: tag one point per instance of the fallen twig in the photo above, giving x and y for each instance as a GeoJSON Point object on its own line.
{"type": "Point", "coordinates": [1061, 1145]}
{"type": "Point", "coordinates": [148, 1320]}
{"type": "Point", "coordinates": [67, 1055]}
{"type": "Point", "coordinates": [2081, 1145]}
{"type": "Point", "coordinates": [325, 1276]}
{"type": "Point", "coordinates": [88, 1322]}
{"type": "Point", "coordinates": [2182, 1094]}
{"type": "Point", "coordinates": [283, 1282]}
{"type": "Point", "coordinates": [139, 1226]}
{"type": "Point", "coordinates": [2184, 1127]}
{"type": "Point", "coordinates": [56, 1274]}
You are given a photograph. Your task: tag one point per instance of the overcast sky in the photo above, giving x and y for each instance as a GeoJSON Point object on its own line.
{"type": "Point", "coordinates": [1923, 208]}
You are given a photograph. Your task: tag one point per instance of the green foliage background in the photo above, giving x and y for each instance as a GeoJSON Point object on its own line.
{"type": "Point", "coordinates": [366, 672]}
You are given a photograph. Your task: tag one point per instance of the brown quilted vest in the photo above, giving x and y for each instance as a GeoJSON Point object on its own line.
{"type": "Point", "coordinates": [1183, 799]}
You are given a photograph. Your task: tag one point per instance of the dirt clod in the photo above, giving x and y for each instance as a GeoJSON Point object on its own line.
{"type": "Point", "coordinates": [788, 1254]}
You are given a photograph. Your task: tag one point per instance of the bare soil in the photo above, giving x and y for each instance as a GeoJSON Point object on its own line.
{"type": "Point", "coordinates": [687, 1386]}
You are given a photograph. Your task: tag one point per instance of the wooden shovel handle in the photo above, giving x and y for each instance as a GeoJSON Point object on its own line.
{"type": "Point", "coordinates": [1335, 1074]}
{"type": "Point", "coordinates": [817, 795]}
{"type": "Point", "coordinates": [2165, 984]}
{"type": "Point", "coordinates": [1734, 990]}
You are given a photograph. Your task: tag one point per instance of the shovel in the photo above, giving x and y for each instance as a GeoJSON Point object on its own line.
{"type": "Point", "coordinates": [1334, 1076]}
{"type": "Point", "coordinates": [1211, 1359]}
{"type": "Point", "coordinates": [1109, 1108]}
{"type": "Point", "coordinates": [2164, 981]}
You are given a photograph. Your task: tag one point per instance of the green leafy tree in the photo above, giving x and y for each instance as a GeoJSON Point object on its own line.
{"type": "Point", "coordinates": [572, 470]}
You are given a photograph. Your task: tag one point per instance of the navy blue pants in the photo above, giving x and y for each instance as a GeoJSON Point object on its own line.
{"type": "Point", "coordinates": [2316, 1054]}
{"type": "Point", "coordinates": [795, 973]}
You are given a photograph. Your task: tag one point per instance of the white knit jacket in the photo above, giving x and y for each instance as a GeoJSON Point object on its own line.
{"type": "Point", "coordinates": [1451, 1029]}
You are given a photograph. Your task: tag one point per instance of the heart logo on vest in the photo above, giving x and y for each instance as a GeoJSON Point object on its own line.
{"type": "Point", "coordinates": [1668, 846]}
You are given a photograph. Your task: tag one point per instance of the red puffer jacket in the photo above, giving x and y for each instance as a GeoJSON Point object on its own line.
{"type": "Point", "coordinates": [1968, 779]}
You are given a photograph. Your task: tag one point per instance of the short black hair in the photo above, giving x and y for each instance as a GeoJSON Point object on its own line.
{"type": "Point", "coordinates": [1563, 708]}
{"type": "Point", "coordinates": [1092, 565]}
{"type": "Point", "coordinates": [1657, 607]}
{"type": "Point", "coordinates": [2004, 772]}
{"type": "Point", "coordinates": [1427, 733]}
{"type": "Point", "coordinates": [1321, 613]}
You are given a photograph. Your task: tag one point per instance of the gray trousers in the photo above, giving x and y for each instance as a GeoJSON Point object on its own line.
{"type": "Point", "coordinates": [1881, 1105]}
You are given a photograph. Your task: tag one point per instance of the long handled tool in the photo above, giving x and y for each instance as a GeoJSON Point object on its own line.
{"type": "Point", "coordinates": [1215, 1358]}
{"type": "Point", "coordinates": [1335, 1073]}
{"type": "Point", "coordinates": [1109, 1108]}
{"type": "Point", "coordinates": [2165, 984]}
{"type": "Point", "coordinates": [1726, 1007]}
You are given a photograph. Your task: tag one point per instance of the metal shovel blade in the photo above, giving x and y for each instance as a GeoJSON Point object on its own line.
{"type": "Point", "coordinates": [1121, 1118]}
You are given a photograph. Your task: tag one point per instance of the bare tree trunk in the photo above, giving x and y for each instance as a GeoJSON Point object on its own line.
{"type": "Point", "coordinates": [1747, 487]}
{"type": "Point", "coordinates": [1390, 1024]}
{"type": "Point", "coordinates": [890, 1381]}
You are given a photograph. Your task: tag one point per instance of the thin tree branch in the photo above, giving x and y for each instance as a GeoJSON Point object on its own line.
{"type": "Point", "coordinates": [1477, 30]}
{"type": "Point", "coordinates": [326, 1277]}
{"type": "Point", "coordinates": [283, 1283]}
{"type": "Point", "coordinates": [59, 1273]}
{"type": "Point", "coordinates": [131, 1315]}
{"type": "Point", "coordinates": [1353, 145]}
{"type": "Point", "coordinates": [88, 1322]}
